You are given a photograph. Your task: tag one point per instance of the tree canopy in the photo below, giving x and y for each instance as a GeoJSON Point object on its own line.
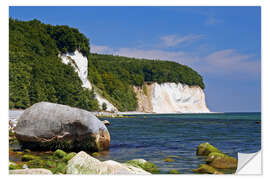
{"type": "Point", "coordinates": [36, 73]}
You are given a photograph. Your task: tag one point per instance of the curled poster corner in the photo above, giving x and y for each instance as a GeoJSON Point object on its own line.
{"type": "Point", "coordinates": [249, 163]}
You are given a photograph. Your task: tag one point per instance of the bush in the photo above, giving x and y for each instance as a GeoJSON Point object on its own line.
{"type": "Point", "coordinates": [104, 106]}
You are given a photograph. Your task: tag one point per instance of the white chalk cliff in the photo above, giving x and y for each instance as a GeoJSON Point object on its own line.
{"type": "Point", "coordinates": [155, 98]}
{"type": "Point", "coordinates": [80, 65]}
{"type": "Point", "coordinates": [171, 98]}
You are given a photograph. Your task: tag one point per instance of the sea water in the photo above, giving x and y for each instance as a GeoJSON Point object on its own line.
{"type": "Point", "coordinates": [155, 137]}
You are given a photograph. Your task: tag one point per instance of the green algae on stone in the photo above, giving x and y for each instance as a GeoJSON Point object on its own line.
{"type": "Point", "coordinates": [69, 156]}
{"type": "Point", "coordinates": [60, 153]}
{"type": "Point", "coordinates": [221, 161]}
{"type": "Point", "coordinates": [53, 165]}
{"type": "Point", "coordinates": [13, 166]}
{"type": "Point", "coordinates": [174, 156]}
{"type": "Point", "coordinates": [11, 133]}
{"type": "Point", "coordinates": [19, 153]}
{"type": "Point", "coordinates": [174, 171]}
{"type": "Point", "coordinates": [27, 150]}
{"type": "Point", "coordinates": [29, 157]}
{"type": "Point", "coordinates": [96, 154]}
{"type": "Point", "coordinates": [145, 165]}
{"type": "Point", "coordinates": [206, 169]}
{"type": "Point", "coordinates": [205, 148]}
{"type": "Point", "coordinates": [168, 159]}
{"type": "Point", "coordinates": [36, 163]}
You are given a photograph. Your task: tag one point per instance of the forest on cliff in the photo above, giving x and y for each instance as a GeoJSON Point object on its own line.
{"type": "Point", "coordinates": [36, 72]}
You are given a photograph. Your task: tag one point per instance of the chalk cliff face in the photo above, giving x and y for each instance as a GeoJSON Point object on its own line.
{"type": "Point", "coordinates": [153, 98]}
{"type": "Point", "coordinates": [80, 65]}
{"type": "Point", "coordinates": [171, 98]}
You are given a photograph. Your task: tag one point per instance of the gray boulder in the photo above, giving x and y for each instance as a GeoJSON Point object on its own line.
{"type": "Point", "coordinates": [53, 126]}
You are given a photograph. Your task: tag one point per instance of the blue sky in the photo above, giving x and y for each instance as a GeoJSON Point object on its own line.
{"type": "Point", "coordinates": [223, 44]}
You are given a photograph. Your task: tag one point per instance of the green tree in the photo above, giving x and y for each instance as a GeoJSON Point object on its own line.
{"type": "Point", "coordinates": [104, 106]}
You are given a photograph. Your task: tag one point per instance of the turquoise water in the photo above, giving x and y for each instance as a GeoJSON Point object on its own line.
{"type": "Point", "coordinates": [154, 137]}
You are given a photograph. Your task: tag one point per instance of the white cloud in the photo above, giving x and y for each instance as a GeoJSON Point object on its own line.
{"type": "Point", "coordinates": [173, 40]}
{"type": "Point", "coordinates": [230, 61]}
{"type": "Point", "coordinates": [150, 54]}
{"type": "Point", "coordinates": [101, 49]}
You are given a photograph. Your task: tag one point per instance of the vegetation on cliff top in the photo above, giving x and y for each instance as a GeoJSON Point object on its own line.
{"type": "Point", "coordinates": [37, 73]}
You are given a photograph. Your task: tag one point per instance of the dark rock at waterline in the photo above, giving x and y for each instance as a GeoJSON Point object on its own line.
{"type": "Point", "coordinates": [53, 126]}
{"type": "Point", "coordinates": [258, 122]}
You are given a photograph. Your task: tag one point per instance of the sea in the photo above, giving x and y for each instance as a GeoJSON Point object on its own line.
{"type": "Point", "coordinates": [155, 137]}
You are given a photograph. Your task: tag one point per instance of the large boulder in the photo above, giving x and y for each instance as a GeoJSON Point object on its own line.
{"type": "Point", "coordinates": [53, 126]}
{"type": "Point", "coordinates": [83, 163]}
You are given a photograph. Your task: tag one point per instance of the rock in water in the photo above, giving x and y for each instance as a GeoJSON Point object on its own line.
{"type": "Point", "coordinates": [205, 148]}
{"type": "Point", "coordinates": [53, 126]}
{"type": "Point", "coordinates": [221, 161]}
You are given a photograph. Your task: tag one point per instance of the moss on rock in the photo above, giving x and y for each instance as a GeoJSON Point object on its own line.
{"type": "Point", "coordinates": [145, 165]}
{"type": "Point", "coordinates": [27, 150]}
{"type": "Point", "coordinates": [168, 159]}
{"type": "Point", "coordinates": [205, 148]}
{"type": "Point", "coordinates": [96, 154]}
{"type": "Point", "coordinates": [69, 156]}
{"type": "Point", "coordinates": [174, 171]}
{"type": "Point", "coordinates": [222, 161]}
{"type": "Point", "coordinates": [53, 165]}
{"type": "Point", "coordinates": [28, 157]}
{"type": "Point", "coordinates": [206, 169]}
{"type": "Point", "coordinates": [60, 153]}
{"type": "Point", "coordinates": [13, 166]}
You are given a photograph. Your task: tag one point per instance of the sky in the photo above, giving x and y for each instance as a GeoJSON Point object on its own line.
{"type": "Point", "coordinates": [223, 44]}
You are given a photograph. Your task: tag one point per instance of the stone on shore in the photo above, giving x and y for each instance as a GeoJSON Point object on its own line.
{"type": "Point", "coordinates": [52, 126]}
{"type": "Point", "coordinates": [205, 148]}
{"type": "Point", "coordinates": [83, 163]}
{"type": "Point", "coordinates": [30, 171]}
{"type": "Point", "coordinates": [206, 169]}
{"type": "Point", "coordinates": [221, 161]}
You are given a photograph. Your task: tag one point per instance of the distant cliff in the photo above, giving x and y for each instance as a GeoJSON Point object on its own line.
{"type": "Point", "coordinates": [170, 98]}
